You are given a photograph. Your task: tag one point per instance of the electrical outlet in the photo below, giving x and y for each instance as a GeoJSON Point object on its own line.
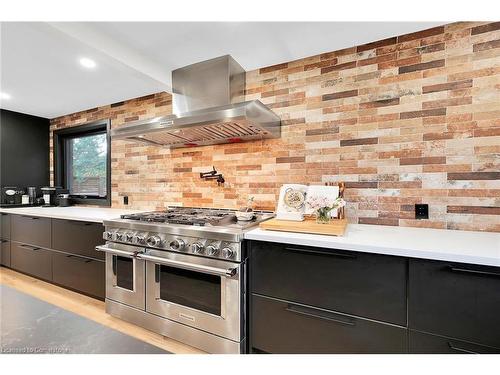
{"type": "Point", "coordinates": [421, 211]}
{"type": "Point", "coordinates": [125, 200]}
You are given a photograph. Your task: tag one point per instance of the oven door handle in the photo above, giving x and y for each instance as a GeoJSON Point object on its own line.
{"type": "Point", "coordinates": [224, 272]}
{"type": "Point", "coordinates": [123, 253]}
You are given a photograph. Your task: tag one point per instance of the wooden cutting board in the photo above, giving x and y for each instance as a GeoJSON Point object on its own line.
{"type": "Point", "coordinates": [336, 227]}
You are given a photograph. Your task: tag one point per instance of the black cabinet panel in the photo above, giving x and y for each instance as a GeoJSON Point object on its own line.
{"type": "Point", "coordinates": [424, 343]}
{"type": "Point", "coordinates": [281, 327]}
{"type": "Point", "coordinates": [455, 300]}
{"type": "Point", "coordinates": [24, 150]}
{"type": "Point", "coordinates": [4, 225]}
{"type": "Point", "coordinates": [31, 260]}
{"type": "Point", "coordinates": [31, 230]}
{"type": "Point", "coordinates": [367, 285]}
{"type": "Point", "coordinates": [78, 273]}
{"type": "Point", "coordinates": [77, 237]}
{"type": "Point", "coordinates": [5, 252]}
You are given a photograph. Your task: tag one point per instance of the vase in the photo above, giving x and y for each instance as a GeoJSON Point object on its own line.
{"type": "Point", "coordinates": [323, 215]}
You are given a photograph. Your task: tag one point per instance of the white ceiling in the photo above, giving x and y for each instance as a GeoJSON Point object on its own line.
{"type": "Point", "coordinates": [40, 69]}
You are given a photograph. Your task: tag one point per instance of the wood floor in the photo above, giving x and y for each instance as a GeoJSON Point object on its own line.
{"type": "Point", "coordinates": [89, 308]}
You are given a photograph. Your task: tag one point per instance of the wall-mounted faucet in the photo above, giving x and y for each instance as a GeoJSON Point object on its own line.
{"type": "Point", "coordinates": [213, 175]}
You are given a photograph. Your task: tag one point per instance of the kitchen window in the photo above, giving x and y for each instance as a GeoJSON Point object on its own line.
{"type": "Point", "coordinates": [82, 162]}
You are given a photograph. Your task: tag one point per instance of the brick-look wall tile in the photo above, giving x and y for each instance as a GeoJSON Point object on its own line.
{"type": "Point", "coordinates": [421, 34]}
{"type": "Point", "coordinates": [486, 45]}
{"type": "Point", "coordinates": [408, 119]}
{"type": "Point", "coordinates": [485, 28]}
{"type": "Point", "coordinates": [421, 66]}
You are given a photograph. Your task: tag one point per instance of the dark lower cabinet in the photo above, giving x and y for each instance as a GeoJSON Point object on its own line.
{"type": "Point", "coordinates": [4, 239]}
{"type": "Point", "coordinates": [424, 343]}
{"type": "Point", "coordinates": [77, 237]}
{"type": "Point", "coordinates": [5, 252]}
{"type": "Point", "coordinates": [4, 226]}
{"type": "Point", "coordinates": [455, 300]}
{"type": "Point", "coordinates": [32, 230]}
{"type": "Point", "coordinates": [32, 260]}
{"type": "Point", "coordinates": [314, 300]}
{"type": "Point", "coordinates": [60, 251]}
{"type": "Point", "coordinates": [283, 327]}
{"type": "Point", "coordinates": [83, 274]}
{"type": "Point", "coordinates": [367, 285]}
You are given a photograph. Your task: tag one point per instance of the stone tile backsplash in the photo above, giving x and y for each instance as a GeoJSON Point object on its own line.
{"type": "Point", "coordinates": [405, 120]}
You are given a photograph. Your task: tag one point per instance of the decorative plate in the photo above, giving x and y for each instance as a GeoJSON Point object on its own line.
{"type": "Point", "coordinates": [294, 198]}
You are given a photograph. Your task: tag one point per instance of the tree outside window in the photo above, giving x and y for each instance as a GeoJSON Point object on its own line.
{"type": "Point", "coordinates": [88, 165]}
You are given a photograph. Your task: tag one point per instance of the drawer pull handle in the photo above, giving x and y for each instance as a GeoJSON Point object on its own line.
{"type": "Point", "coordinates": [4, 241]}
{"type": "Point", "coordinates": [477, 272]}
{"type": "Point", "coordinates": [84, 260]}
{"type": "Point", "coordinates": [461, 350]}
{"type": "Point", "coordinates": [318, 252]}
{"type": "Point", "coordinates": [83, 223]}
{"type": "Point", "coordinates": [319, 314]}
{"type": "Point", "coordinates": [34, 218]}
{"type": "Point", "coordinates": [28, 247]}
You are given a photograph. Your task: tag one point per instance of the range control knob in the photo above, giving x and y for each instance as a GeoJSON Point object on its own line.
{"type": "Point", "coordinates": [107, 235]}
{"type": "Point", "coordinates": [177, 245]}
{"type": "Point", "coordinates": [129, 237]}
{"type": "Point", "coordinates": [154, 241]}
{"type": "Point", "coordinates": [227, 252]}
{"type": "Point", "coordinates": [139, 239]}
{"type": "Point", "coordinates": [213, 249]}
{"type": "Point", "coordinates": [197, 248]}
{"type": "Point", "coordinates": [117, 236]}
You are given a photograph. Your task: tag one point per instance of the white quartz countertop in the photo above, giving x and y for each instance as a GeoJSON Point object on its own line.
{"type": "Point", "coordinates": [439, 244]}
{"type": "Point", "coordinates": [93, 214]}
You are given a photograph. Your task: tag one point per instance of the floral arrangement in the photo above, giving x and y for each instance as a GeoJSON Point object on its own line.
{"type": "Point", "coordinates": [322, 205]}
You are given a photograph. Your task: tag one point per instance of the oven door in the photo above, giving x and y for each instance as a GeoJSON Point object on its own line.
{"type": "Point", "coordinates": [124, 274]}
{"type": "Point", "coordinates": [195, 291]}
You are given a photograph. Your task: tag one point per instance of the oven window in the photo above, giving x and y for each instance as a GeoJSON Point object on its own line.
{"type": "Point", "coordinates": [125, 273]}
{"type": "Point", "coordinates": [189, 288]}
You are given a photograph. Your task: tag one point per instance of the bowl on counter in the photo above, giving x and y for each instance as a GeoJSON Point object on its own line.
{"type": "Point", "coordinates": [244, 216]}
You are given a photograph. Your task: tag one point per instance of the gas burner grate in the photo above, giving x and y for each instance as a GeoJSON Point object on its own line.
{"type": "Point", "coordinates": [186, 216]}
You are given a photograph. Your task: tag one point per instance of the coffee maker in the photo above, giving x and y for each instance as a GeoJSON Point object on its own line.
{"type": "Point", "coordinates": [51, 194]}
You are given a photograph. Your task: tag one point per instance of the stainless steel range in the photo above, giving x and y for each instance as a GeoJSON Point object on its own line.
{"type": "Point", "coordinates": [181, 273]}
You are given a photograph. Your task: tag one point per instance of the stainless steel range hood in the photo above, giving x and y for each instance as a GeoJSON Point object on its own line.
{"type": "Point", "coordinates": [208, 109]}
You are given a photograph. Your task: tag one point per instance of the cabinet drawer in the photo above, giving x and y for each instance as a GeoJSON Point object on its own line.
{"type": "Point", "coordinates": [5, 252]}
{"type": "Point", "coordinates": [281, 327]}
{"type": "Point", "coordinates": [32, 260]}
{"type": "Point", "coordinates": [4, 225]}
{"type": "Point", "coordinates": [81, 274]}
{"type": "Point", "coordinates": [424, 343]}
{"type": "Point", "coordinates": [367, 285]}
{"type": "Point", "coordinates": [31, 230]}
{"type": "Point", "coordinates": [455, 300]}
{"type": "Point", "coordinates": [77, 237]}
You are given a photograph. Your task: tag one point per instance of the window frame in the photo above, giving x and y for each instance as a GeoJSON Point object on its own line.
{"type": "Point", "coordinates": [60, 138]}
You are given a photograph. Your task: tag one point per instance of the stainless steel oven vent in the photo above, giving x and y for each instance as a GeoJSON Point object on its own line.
{"type": "Point", "coordinates": [207, 110]}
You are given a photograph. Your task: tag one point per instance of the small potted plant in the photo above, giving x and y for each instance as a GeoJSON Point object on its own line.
{"type": "Point", "coordinates": [323, 205]}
